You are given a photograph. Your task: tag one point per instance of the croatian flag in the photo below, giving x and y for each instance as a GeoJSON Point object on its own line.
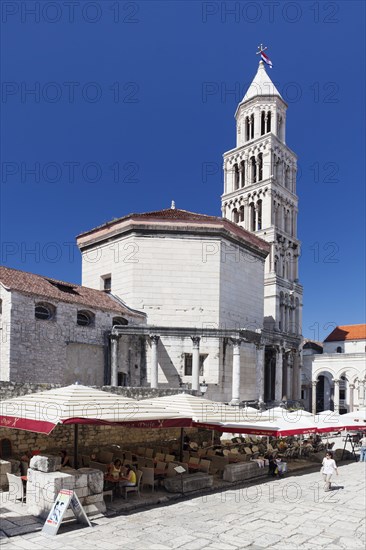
{"type": "Point", "coordinates": [266, 59]}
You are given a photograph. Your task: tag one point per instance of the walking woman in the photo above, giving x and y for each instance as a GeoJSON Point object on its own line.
{"type": "Point", "coordinates": [328, 468]}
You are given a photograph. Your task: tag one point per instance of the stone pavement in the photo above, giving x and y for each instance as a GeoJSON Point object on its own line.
{"type": "Point", "coordinates": [277, 514]}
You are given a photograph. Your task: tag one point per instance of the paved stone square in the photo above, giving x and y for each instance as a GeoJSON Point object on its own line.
{"type": "Point", "coordinates": [279, 514]}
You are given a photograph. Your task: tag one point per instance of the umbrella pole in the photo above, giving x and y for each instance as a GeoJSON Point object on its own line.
{"type": "Point", "coordinates": [181, 445]}
{"type": "Point", "coordinates": [76, 444]}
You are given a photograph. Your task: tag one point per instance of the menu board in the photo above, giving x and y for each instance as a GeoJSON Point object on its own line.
{"type": "Point", "coordinates": [64, 499]}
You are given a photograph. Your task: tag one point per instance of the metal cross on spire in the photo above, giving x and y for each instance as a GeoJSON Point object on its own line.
{"type": "Point", "coordinates": [264, 57]}
{"type": "Point", "coordinates": [261, 49]}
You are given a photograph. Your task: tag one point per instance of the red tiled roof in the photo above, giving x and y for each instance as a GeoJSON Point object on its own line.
{"type": "Point", "coordinates": [177, 215]}
{"type": "Point", "coordinates": [347, 332]}
{"type": "Point", "coordinates": [29, 283]}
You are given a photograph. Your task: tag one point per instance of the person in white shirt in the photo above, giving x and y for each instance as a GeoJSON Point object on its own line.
{"type": "Point", "coordinates": [363, 449]}
{"type": "Point", "coordinates": [328, 468]}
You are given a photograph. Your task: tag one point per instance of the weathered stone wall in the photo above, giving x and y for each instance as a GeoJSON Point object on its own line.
{"type": "Point", "coordinates": [58, 350]}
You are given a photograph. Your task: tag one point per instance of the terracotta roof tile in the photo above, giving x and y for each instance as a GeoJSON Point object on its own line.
{"type": "Point", "coordinates": [347, 332]}
{"type": "Point", "coordinates": [177, 215]}
{"type": "Point", "coordinates": [45, 287]}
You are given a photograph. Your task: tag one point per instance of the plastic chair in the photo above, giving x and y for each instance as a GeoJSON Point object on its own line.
{"type": "Point", "coordinates": [16, 487]}
{"type": "Point", "coordinates": [148, 478]}
{"type": "Point", "coordinates": [169, 458]}
{"type": "Point", "coordinates": [149, 453]}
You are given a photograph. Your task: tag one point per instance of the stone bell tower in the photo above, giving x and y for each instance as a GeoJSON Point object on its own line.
{"type": "Point", "coordinates": [260, 195]}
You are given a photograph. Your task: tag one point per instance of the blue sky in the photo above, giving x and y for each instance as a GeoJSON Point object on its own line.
{"type": "Point", "coordinates": [132, 99]}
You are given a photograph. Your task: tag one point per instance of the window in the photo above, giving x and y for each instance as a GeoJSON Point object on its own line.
{"type": "Point", "coordinates": [119, 321]}
{"type": "Point", "coordinates": [85, 318]}
{"type": "Point", "coordinates": [188, 358]}
{"type": "Point", "coordinates": [339, 349]}
{"type": "Point", "coordinates": [342, 394]}
{"type": "Point", "coordinates": [107, 283]}
{"type": "Point", "coordinates": [44, 312]}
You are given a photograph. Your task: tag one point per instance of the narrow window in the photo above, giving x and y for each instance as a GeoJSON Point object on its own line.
{"type": "Point", "coordinates": [253, 216]}
{"type": "Point", "coordinates": [106, 283]}
{"type": "Point", "coordinates": [253, 178]}
{"type": "Point", "coordinates": [269, 115]}
{"type": "Point", "coordinates": [252, 127]}
{"type": "Point", "coordinates": [259, 215]}
{"type": "Point", "coordinates": [247, 135]}
{"type": "Point", "coordinates": [235, 217]}
{"type": "Point", "coordinates": [236, 177]}
{"type": "Point", "coordinates": [260, 167]}
{"type": "Point", "coordinates": [241, 213]}
{"type": "Point", "coordinates": [263, 123]}
{"type": "Point", "coordinates": [339, 349]}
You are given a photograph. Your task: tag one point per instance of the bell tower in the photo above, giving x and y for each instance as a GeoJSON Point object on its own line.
{"type": "Point", "coordinates": [260, 195]}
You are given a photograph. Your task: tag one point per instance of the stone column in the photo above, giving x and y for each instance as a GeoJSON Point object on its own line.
{"type": "Point", "coordinates": [241, 179]}
{"type": "Point", "coordinates": [114, 360]}
{"type": "Point", "coordinates": [257, 122]}
{"type": "Point", "coordinates": [196, 363]}
{"type": "Point", "coordinates": [235, 394]}
{"type": "Point", "coordinates": [259, 371]}
{"type": "Point", "coordinates": [296, 394]}
{"type": "Point", "coordinates": [289, 376]}
{"type": "Point", "coordinates": [154, 338]}
{"type": "Point", "coordinates": [361, 393]}
{"type": "Point", "coordinates": [279, 371]}
{"type": "Point", "coordinates": [336, 395]}
{"type": "Point", "coordinates": [351, 396]}
{"type": "Point", "coordinates": [246, 213]}
{"type": "Point", "coordinates": [313, 396]}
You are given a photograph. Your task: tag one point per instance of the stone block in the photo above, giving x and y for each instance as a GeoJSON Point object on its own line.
{"type": "Point", "coordinates": [82, 491]}
{"type": "Point", "coordinates": [81, 480]}
{"type": "Point", "coordinates": [95, 481]}
{"type": "Point", "coordinates": [5, 468]}
{"type": "Point", "coordinates": [92, 499]}
{"type": "Point", "coordinates": [188, 482]}
{"type": "Point", "coordinates": [243, 471]}
{"type": "Point", "coordinates": [45, 463]}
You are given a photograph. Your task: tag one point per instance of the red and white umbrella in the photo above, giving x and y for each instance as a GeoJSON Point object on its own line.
{"type": "Point", "coordinates": [76, 404]}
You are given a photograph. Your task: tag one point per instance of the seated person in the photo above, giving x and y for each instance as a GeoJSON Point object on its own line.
{"type": "Point", "coordinates": [65, 460]}
{"type": "Point", "coordinates": [129, 480]}
{"type": "Point", "coordinates": [115, 469]}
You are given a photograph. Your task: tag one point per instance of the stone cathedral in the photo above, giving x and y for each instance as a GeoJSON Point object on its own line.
{"type": "Point", "coordinates": [174, 298]}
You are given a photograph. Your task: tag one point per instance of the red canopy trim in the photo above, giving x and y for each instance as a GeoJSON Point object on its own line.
{"type": "Point", "coordinates": [29, 425]}
{"type": "Point", "coordinates": [256, 431]}
{"type": "Point", "coordinates": [162, 423]}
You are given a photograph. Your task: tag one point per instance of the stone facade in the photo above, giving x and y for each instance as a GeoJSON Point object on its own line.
{"type": "Point", "coordinates": [59, 349]}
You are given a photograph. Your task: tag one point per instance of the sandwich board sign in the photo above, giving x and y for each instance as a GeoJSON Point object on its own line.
{"type": "Point", "coordinates": [64, 499]}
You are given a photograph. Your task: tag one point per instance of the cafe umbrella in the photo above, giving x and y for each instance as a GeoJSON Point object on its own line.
{"type": "Point", "coordinates": [77, 404]}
